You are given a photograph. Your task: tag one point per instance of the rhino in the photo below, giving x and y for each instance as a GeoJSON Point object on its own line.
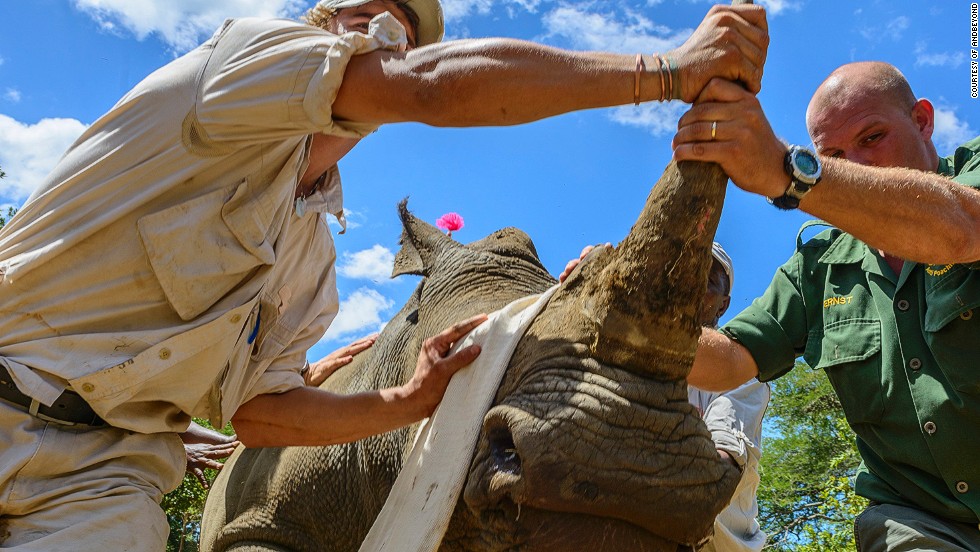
{"type": "Point", "coordinates": [590, 443]}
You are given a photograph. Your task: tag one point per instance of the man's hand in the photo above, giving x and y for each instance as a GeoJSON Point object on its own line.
{"type": "Point", "coordinates": [730, 43]}
{"type": "Point", "coordinates": [204, 447]}
{"type": "Point", "coordinates": [570, 265]}
{"type": "Point", "coordinates": [206, 455]}
{"type": "Point", "coordinates": [322, 369]}
{"type": "Point", "coordinates": [436, 366]}
{"type": "Point", "coordinates": [744, 143]}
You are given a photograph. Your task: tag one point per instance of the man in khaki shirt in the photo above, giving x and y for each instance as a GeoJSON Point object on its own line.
{"type": "Point", "coordinates": [177, 262]}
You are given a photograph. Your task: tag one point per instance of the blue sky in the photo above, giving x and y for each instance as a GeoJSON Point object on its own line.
{"type": "Point", "coordinates": [567, 181]}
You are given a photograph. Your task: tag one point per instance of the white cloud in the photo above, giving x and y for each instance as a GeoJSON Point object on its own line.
{"type": "Point", "coordinates": [1, 60]}
{"type": "Point", "coordinates": [29, 152]}
{"type": "Point", "coordinates": [950, 131]}
{"type": "Point", "coordinates": [353, 218]}
{"type": "Point", "coordinates": [182, 24]}
{"type": "Point", "coordinates": [370, 264]}
{"type": "Point", "coordinates": [455, 10]}
{"type": "Point", "coordinates": [607, 32]}
{"type": "Point", "coordinates": [939, 59]}
{"type": "Point", "coordinates": [12, 95]}
{"type": "Point", "coordinates": [776, 7]}
{"type": "Point", "coordinates": [659, 119]}
{"type": "Point", "coordinates": [892, 30]}
{"type": "Point", "coordinates": [773, 7]}
{"type": "Point", "coordinates": [360, 313]}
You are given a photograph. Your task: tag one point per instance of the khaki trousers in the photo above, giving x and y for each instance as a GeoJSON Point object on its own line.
{"type": "Point", "coordinates": [892, 528]}
{"type": "Point", "coordinates": [69, 489]}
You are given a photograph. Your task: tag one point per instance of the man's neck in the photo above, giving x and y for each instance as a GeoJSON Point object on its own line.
{"type": "Point", "coordinates": [894, 262]}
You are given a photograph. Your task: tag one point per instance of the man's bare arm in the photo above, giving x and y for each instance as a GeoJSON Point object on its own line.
{"type": "Point", "coordinates": [505, 82]}
{"type": "Point", "coordinates": [310, 416]}
{"type": "Point", "coordinates": [721, 363]}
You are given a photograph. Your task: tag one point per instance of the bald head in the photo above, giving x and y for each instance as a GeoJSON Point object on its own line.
{"type": "Point", "coordinates": [861, 81]}
{"type": "Point", "coordinates": [866, 113]}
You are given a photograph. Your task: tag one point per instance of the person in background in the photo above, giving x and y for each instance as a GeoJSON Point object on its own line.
{"type": "Point", "coordinates": [734, 419]}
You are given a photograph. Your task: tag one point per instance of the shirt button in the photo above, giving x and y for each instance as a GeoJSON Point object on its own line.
{"type": "Point", "coordinates": [967, 315]}
{"type": "Point", "coordinates": [903, 305]}
{"type": "Point", "coordinates": [88, 387]}
{"type": "Point", "coordinates": [236, 318]}
{"type": "Point", "coordinates": [962, 487]}
{"type": "Point", "coordinates": [164, 353]}
{"type": "Point", "coordinates": [915, 364]}
{"type": "Point", "coordinates": [929, 427]}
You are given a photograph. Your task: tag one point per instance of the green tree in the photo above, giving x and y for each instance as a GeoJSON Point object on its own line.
{"type": "Point", "coordinates": [5, 216]}
{"type": "Point", "coordinates": [185, 505]}
{"type": "Point", "coordinates": [806, 501]}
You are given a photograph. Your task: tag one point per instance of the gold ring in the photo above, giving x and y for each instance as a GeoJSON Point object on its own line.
{"type": "Point", "coordinates": [714, 129]}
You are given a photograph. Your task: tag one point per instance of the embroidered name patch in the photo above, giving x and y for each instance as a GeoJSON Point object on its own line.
{"type": "Point", "coordinates": [933, 270]}
{"type": "Point", "coordinates": [839, 300]}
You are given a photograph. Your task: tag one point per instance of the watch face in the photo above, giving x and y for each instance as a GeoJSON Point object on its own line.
{"type": "Point", "coordinates": [806, 163]}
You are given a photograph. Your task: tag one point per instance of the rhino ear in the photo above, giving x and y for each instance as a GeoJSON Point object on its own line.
{"type": "Point", "coordinates": [421, 243]}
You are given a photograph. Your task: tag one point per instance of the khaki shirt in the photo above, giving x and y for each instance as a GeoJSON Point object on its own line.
{"type": "Point", "coordinates": [902, 353]}
{"type": "Point", "coordinates": [161, 270]}
{"type": "Point", "coordinates": [734, 419]}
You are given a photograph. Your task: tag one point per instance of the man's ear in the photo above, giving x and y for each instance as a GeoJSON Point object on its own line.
{"type": "Point", "coordinates": [724, 306]}
{"type": "Point", "coordinates": [924, 116]}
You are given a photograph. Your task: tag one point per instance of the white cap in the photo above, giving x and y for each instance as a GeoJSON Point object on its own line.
{"type": "Point", "coordinates": [431, 25]}
{"type": "Point", "coordinates": [726, 262]}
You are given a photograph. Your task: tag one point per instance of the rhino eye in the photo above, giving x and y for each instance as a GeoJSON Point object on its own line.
{"type": "Point", "coordinates": [503, 451]}
{"type": "Point", "coordinates": [413, 317]}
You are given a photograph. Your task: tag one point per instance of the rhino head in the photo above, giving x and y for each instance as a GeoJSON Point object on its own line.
{"type": "Point", "coordinates": [590, 444]}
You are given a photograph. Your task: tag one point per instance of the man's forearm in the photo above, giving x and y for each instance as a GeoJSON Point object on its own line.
{"type": "Point", "coordinates": [485, 82]}
{"type": "Point", "coordinates": [720, 364]}
{"type": "Point", "coordinates": [914, 215]}
{"type": "Point", "coordinates": [309, 416]}
{"type": "Point", "coordinates": [506, 82]}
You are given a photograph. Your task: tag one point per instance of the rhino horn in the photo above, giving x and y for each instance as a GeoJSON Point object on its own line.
{"type": "Point", "coordinates": [420, 244]}
{"type": "Point", "coordinates": [643, 298]}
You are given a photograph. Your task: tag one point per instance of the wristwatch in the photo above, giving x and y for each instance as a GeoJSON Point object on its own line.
{"type": "Point", "coordinates": [804, 170]}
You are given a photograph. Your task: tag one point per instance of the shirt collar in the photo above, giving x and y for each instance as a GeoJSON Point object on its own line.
{"type": "Point", "coordinates": [945, 167]}
{"type": "Point", "coordinates": [329, 198]}
{"type": "Point", "coordinates": [847, 249]}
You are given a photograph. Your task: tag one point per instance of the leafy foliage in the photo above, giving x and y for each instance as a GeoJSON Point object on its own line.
{"type": "Point", "coordinates": [806, 501]}
{"type": "Point", "coordinates": [185, 505]}
{"type": "Point", "coordinates": [4, 217]}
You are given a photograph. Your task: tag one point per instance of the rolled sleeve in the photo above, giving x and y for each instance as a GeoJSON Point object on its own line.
{"type": "Point", "coordinates": [270, 79]}
{"type": "Point", "coordinates": [285, 372]}
{"type": "Point", "coordinates": [735, 421]}
{"type": "Point", "coordinates": [774, 327]}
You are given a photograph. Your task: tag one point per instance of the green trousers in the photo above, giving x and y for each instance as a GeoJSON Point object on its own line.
{"type": "Point", "coordinates": [891, 528]}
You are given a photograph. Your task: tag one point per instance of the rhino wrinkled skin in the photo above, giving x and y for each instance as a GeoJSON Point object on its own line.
{"type": "Point", "coordinates": [591, 443]}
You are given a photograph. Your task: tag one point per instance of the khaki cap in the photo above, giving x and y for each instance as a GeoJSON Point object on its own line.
{"type": "Point", "coordinates": [725, 261]}
{"type": "Point", "coordinates": [431, 24]}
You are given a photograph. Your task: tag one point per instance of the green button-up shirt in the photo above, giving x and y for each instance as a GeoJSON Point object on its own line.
{"type": "Point", "coordinates": [903, 355]}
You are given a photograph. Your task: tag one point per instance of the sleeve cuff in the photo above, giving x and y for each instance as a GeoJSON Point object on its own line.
{"type": "Point", "coordinates": [765, 340]}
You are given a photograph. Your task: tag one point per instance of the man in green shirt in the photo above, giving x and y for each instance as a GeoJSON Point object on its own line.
{"type": "Point", "coordinates": [887, 303]}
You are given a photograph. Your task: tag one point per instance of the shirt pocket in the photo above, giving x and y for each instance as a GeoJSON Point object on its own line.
{"type": "Point", "coordinates": [952, 327]}
{"type": "Point", "coordinates": [161, 387]}
{"type": "Point", "coordinates": [849, 351]}
{"type": "Point", "coordinates": [203, 248]}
